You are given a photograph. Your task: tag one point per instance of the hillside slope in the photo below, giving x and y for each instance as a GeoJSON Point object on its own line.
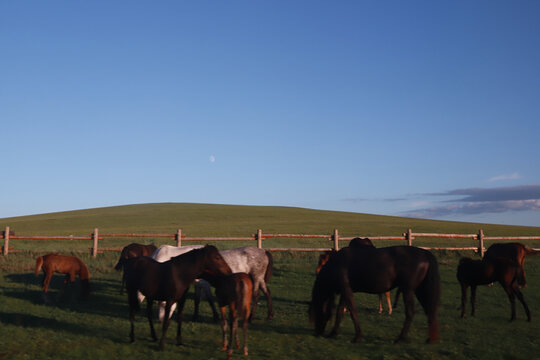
{"type": "Point", "coordinates": [236, 220]}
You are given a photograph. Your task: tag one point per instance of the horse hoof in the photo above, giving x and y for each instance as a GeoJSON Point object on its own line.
{"type": "Point", "coordinates": [356, 340]}
{"type": "Point", "coordinates": [399, 341]}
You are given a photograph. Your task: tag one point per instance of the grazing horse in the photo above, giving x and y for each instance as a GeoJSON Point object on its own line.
{"type": "Point", "coordinates": [481, 272]}
{"type": "Point", "coordinates": [169, 282]}
{"type": "Point", "coordinates": [63, 264]}
{"type": "Point", "coordinates": [515, 252]}
{"type": "Point", "coordinates": [133, 250]}
{"type": "Point", "coordinates": [235, 291]}
{"type": "Point", "coordinates": [166, 252]}
{"type": "Point", "coordinates": [256, 262]}
{"type": "Point", "coordinates": [412, 270]}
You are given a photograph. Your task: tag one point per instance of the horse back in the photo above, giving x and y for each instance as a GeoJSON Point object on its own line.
{"type": "Point", "coordinates": [377, 270]}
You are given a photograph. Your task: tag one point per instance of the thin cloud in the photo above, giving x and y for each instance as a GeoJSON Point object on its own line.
{"type": "Point", "coordinates": [480, 200]}
{"type": "Point", "coordinates": [513, 176]}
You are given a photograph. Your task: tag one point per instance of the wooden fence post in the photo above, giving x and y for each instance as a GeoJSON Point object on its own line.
{"type": "Point", "coordinates": [409, 237]}
{"type": "Point", "coordinates": [179, 237]}
{"type": "Point", "coordinates": [6, 241]}
{"type": "Point", "coordinates": [481, 242]}
{"type": "Point", "coordinates": [95, 236]}
{"type": "Point", "coordinates": [259, 238]}
{"type": "Point", "coordinates": [335, 237]}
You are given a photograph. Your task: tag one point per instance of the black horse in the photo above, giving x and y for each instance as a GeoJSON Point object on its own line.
{"type": "Point", "coordinates": [482, 272]}
{"type": "Point", "coordinates": [412, 270]}
{"type": "Point", "coordinates": [169, 282]}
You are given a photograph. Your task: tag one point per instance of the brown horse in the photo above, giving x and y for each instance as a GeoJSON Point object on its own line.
{"type": "Point", "coordinates": [515, 252]}
{"type": "Point", "coordinates": [481, 272]}
{"type": "Point", "coordinates": [130, 251]}
{"type": "Point", "coordinates": [69, 265]}
{"type": "Point", "coordinates": [235, 291]}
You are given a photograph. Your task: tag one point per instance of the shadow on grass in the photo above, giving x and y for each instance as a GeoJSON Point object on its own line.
{"type": "Point", "coordinates": [32, 321]}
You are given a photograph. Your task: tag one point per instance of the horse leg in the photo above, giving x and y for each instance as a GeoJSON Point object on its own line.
{"type": "Point", "coordinates": [348, 297]}
{"type": "Point", "coordinates": [339, 317]}
{"type": "Point", "coordinates": [210, 300]}
{"type": "Point", "coordinates": [132, 312]}
{"type": "Point", "coordinates": [509, 291]}
{"type": "Point", "coordinates": [233, 323]}
{"type": "Point", "coordinates": [463, 299]}
{"type": "Point", "coordinates": [408, 299]}
{"type": "Point", "coordinates": [198, 295]}
{"type": "Point", "coordinates": [46, 281]}
{"type": "Point", "coordinates": [180, 317]}
{"type": "Point", "coordinates": [266, 292]}
{"type": "Point", "coordinates": [224, 326]}
{"type": "Point", "coordinates": [473, 299]}
{"type": "Point", "coordinates": [522, 300]}
{"type": "Point", "coordinates": [149, 314]}
{"type": "Point", "coordinates": [388, 302]}
{"type": "Point", "coordinates": [380, 304]}
{"type": "Point", "coordinates": [255, 301]}
{"type": "Point", "coordinates": [165, 324]}
{"type": "Point", "coordinates": [397, 298]}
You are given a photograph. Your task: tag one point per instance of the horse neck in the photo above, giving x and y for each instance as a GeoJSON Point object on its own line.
{"type": "Point", "coordinates": [188, 265]}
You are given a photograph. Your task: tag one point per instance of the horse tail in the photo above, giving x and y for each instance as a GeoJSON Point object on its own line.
{"type": "Point", "coordinates": [39, 264]}
{"type": "Point", "coordinates": [429, 295]}
{"type": "Point", "coordinates": [84, 274]}
{"type": "Point", "coordinates": [269, 267]}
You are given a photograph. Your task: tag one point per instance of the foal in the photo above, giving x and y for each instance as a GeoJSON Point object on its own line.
{"type": "Point", "coordinates": [235, 291]}
{"type": "Point", "coordinates": [480, 272]}
{"type": "Point", "coordinates": [69, 265]}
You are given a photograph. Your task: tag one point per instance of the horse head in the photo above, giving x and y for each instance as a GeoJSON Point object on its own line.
{"type": "Point", "coordinates": [323, 259]}
{"type": "Point", "coordinates": [322, 303]}
{"type": "Point", "coordinates": [214, 264]}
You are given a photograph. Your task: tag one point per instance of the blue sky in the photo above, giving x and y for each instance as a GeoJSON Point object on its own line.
{"type": "Point", "coordinates": [421, 108]}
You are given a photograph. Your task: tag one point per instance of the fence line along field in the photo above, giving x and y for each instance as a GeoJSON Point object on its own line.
{"type": "Point", "coordinates": [71, 327]}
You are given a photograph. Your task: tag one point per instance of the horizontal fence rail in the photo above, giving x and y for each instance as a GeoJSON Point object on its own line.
{"type": "Point", "coordinates": [407, 237]}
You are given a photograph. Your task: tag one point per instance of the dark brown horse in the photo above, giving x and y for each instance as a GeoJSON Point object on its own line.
{"type": "Point", "coordinates": [412, 270]}
{"type": "Point", "coordinates": [236, 292]}
{"type": "Point", "coordinates": [63, 264]}
{"type": "Point", "coordinates": [481, 272]}
{"type": "Point", "coordinates": [168, 282]}
{"type": "Point", "coordinates": [130, 251]}
{"type": "Point", "coordinates": [515, 252]}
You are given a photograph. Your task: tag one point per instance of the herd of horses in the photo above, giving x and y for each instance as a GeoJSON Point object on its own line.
{"type": "Point", "coordinates": [165, 274]}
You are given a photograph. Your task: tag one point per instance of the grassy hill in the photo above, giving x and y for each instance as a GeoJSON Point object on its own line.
{"type": "Point", "coordinates": [235, 220]}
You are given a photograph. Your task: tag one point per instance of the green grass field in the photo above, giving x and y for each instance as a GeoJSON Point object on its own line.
{"type": "Point", "coordinates": [98, 328]}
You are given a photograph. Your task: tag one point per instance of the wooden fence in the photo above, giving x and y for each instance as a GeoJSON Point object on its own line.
{"type": "Point", "coordinates": [259, 236]}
